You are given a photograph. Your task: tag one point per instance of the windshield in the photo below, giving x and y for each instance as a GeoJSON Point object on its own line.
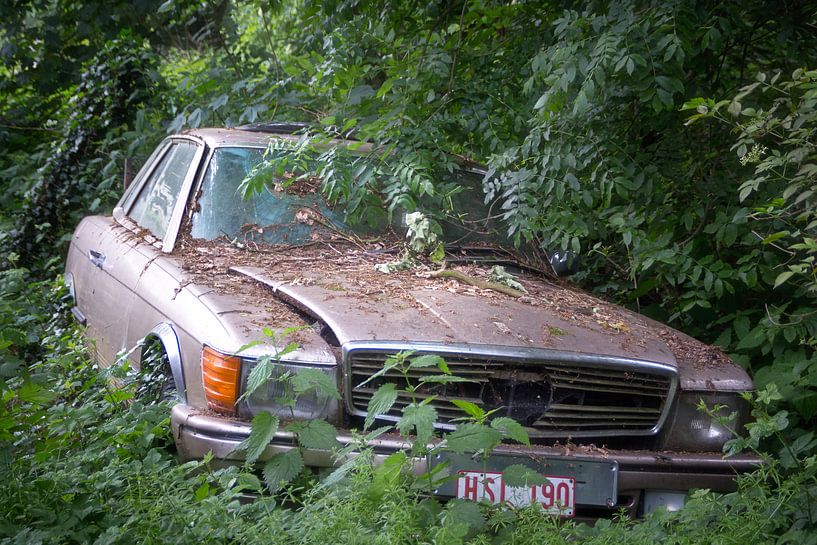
{"type": "Point", "coordinates": [295, 215]}
{"type": "Point", "coordinates": [292, 210]}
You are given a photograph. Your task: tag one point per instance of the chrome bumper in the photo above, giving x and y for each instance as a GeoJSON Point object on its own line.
{"type": "Point", "coordinates": [196, 433]}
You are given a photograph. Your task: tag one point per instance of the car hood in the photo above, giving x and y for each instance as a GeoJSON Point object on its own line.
{"type": "Point", "coordinates": [442, 313]}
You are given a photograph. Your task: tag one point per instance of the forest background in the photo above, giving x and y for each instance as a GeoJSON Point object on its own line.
{"type": "Point", "coordinates": [669, 144]}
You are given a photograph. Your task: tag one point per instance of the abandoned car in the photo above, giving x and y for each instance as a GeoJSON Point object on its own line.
{"type": "Point", "coordinates": [192, 266]}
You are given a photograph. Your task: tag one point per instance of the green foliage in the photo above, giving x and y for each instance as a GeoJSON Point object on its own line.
{"type": "Point", "coordinates": [282, 468]}
{"type": "Point", "coordinates": [522, 475]}
{"type": "Point", "coordinates": [79, 172]}
{"type": "Point", "coordinates": [315, 434]}
{"type": "Point", "coordinates": [511, 429]}
{"type": "Point", "coordinates": [419, 419]}
{"type": "Point", "coordinates": [382, 400]}
{"type": "Point", "coordinates": [775, 119]}
{"type": "Point", "coordinates": [472, 437]}
{"type": "Point", "coordinates": [264, 427]}
{"type": "Point", "coordinates": [309, 380]}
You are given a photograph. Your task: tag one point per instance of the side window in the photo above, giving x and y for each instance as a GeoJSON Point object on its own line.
{"type": "Point", "coordinates": [157, 199]}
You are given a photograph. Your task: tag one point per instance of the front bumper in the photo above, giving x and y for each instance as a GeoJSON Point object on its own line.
{"type": "Point", "coordinates": [197, 433]}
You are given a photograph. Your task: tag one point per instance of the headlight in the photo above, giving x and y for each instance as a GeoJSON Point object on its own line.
{"type": "Point", "coordinates": [276, 394]}
{"type": "Point", "coordinates": [694, 430]}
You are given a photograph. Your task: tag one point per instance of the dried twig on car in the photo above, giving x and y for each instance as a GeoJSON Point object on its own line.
{"type": "Point", "coordinates": [476, 282]}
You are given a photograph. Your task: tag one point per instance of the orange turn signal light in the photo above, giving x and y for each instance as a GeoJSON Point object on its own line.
{"type": "Point", "coordinates": [220, 374]}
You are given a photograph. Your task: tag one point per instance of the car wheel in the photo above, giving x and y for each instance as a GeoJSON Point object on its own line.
{"type": "Point", "coordinates": [156, 382]}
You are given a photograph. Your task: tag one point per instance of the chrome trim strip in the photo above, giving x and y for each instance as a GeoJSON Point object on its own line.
{"type": "Point", "coordinates": [79, 316]}
{"type": "Point", "coordinates": [68, 280]}
{"type": "Point", "coordinates": [126, 202]}
{"type": "Point", "coordinates": [520, 355]}
{"type": "Point", "coordinates": [175, 222]}
{"type": "Point", "coordinates": [213, 429]}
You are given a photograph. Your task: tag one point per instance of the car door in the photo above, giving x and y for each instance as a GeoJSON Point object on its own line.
{"type": "Point", "coordinates": [157, 207]}
{"type": "Point", "coordinates": [119, 249]}
{"type": "Point", "coordinates": [99, 272]}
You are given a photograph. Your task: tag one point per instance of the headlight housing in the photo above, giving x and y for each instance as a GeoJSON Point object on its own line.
{"type": "Point", "coordinates": [269, 396]}
{"type": "Point", "coordinates": [694, 430]}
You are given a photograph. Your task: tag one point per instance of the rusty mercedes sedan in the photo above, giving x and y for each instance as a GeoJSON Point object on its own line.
{"type": "Point", "coordinates": [193, 268]}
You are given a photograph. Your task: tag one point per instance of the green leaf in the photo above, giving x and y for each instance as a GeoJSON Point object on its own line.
{"type": "Point", "coordinates": [776, 236]}
{"type": "Point", "coordinates": [671, 85]}
{"type": "Point", "coordinates": [471, 409]}
{"type": "Point", "coordinates": [782, 277]}
{"type": "Point", "coordinates": [385, 88]}
{"type": "Point", "coordinates": [202, 492]}
{"type": "Point", "coordinates": [511, 428]}
{"type": "Point", "coordinates": [522, 475]}
{"type": "Point", "coordinates": [753, 339]}
{"type": "Point", "coordinates": [428, 360]}
{"type": "Point", "coordinates": [31, 392]}
{"type": "Point", "coordinates": [248, 481]}
{"type": "Point", "coordinates": [734, 108]}
{"type": "Point", "coordinates": [249, 345]}
{"type": "Point", "coordinates": [264, 426]}
{"type": "Point", "coordinates": [380, 403]}
{"type": "Point", "coordinates": [466, 512]}
{"type": "Point", "coordinates": [314, 379]}
{"type": "Point", "coordinates": [166, 6]}
{"type": "Point", "coordinates": [420, 418]}
{"type": "Point", "coordinates": [259, 375]}
{"type": "Point", "coordinates": [388, 473]}
{"type": "Point", "coordinates": [315, 434]}
{"type": "Point", "coordinates": [219, 102]}
{"type": "Point", "coordinates": [391, 363]}
{"type": "Point", "coordinates": [472, 438]}
{"type": "Point", "coordinates": [282, 468]}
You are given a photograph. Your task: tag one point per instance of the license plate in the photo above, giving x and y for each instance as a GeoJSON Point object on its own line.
{"type": "Point", "coordinates": [575, 481]}
{"type": "Point", "coordinates": [557, 496]}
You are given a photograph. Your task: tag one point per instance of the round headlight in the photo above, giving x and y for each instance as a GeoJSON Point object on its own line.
{"type": "Point", "coordinates": [695, 430]}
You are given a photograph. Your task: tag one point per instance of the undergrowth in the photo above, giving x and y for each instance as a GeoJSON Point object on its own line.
{"type": "Point", "coordinates": [82, 462]}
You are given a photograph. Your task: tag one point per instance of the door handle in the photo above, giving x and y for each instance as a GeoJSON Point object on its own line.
{"type": "Point", "coordinates": [96, 257]}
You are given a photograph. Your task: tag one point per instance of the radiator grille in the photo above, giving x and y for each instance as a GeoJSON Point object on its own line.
{"type": "Point", "coordinates": [552, 398]}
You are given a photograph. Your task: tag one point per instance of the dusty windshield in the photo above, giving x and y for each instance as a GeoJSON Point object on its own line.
{"type": "Point", "coordinates": [293, 211]}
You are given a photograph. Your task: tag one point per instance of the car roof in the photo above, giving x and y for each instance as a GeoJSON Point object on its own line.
{"type": "Point", "coordinates": [234, 137]}
{"type": "Point", "coordinates": [257, 137]}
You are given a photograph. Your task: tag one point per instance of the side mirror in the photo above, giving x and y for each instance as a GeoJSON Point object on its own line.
{"type": "Point", "coordinates": [130, 173]}
{"type": "Point", "coordinates": [564, 263]}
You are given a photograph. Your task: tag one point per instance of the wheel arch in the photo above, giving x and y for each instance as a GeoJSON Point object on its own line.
{"type": "Point", "coordinates": [165, 334]}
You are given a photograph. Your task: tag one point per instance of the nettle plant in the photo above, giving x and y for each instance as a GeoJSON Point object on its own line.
{"type": "Point", "coordinates": [477, 431]}
{"type": "Point", "coordinates": [283, 467]}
